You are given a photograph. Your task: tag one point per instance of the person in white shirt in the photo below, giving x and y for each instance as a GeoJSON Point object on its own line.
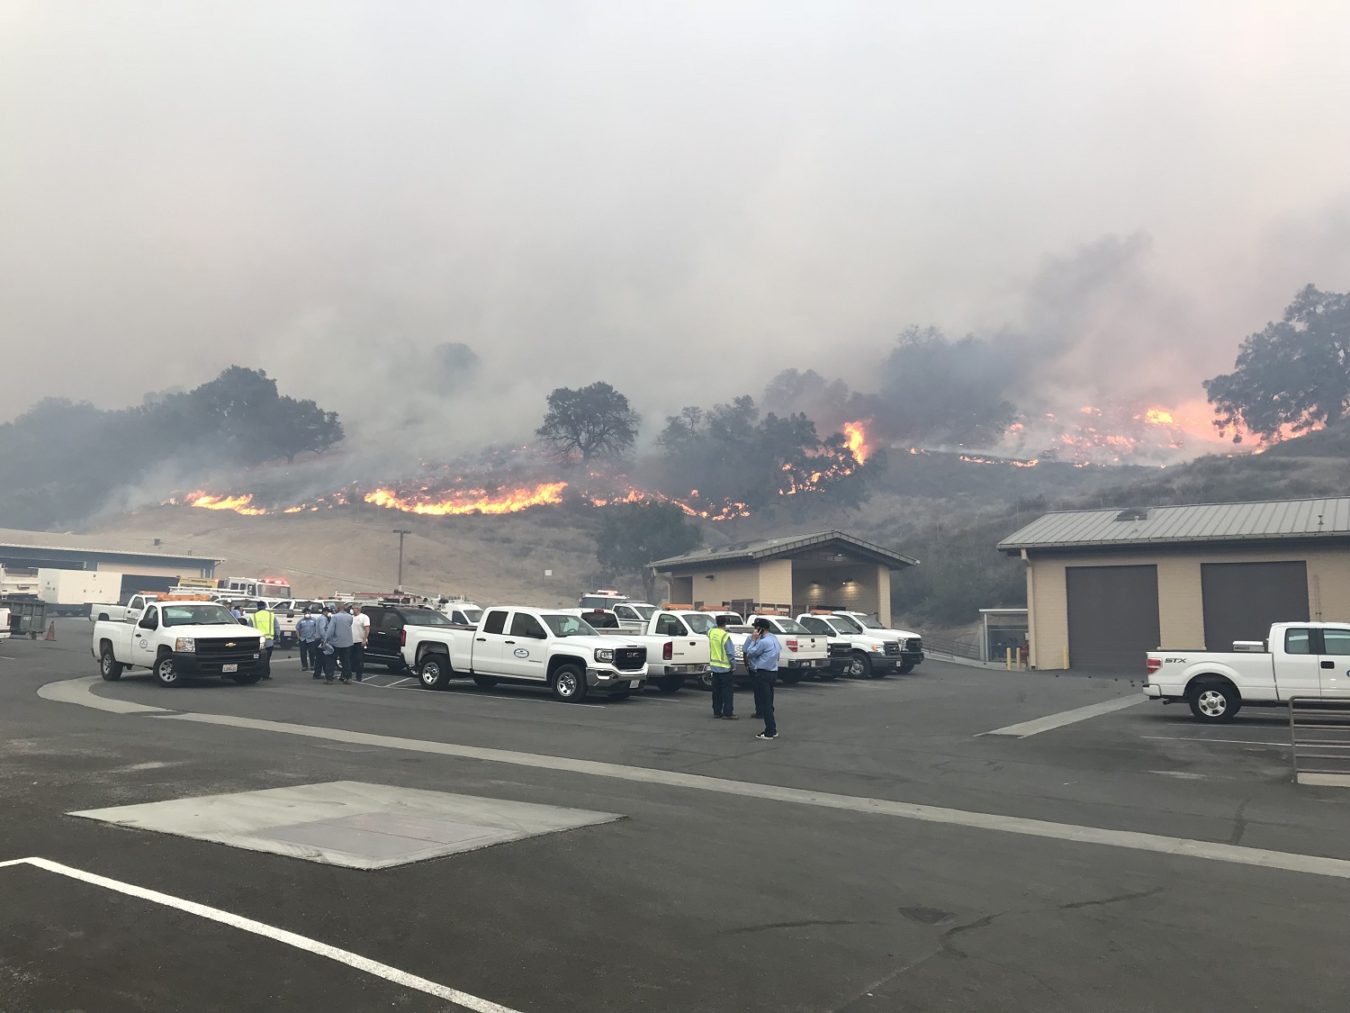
{"type": "Point", "coordinates": [360, 637]}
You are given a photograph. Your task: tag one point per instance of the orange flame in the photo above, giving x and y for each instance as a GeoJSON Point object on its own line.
{"type": "Point", "coordinates": [472, 501]}
{"type": "Point", "coordinates": [239, 504]}
{"type": "Point", "coordinates": [855, 438]}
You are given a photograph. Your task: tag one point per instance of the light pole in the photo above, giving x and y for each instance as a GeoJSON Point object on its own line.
{"type": "Point", "coordinates": [401, 532]}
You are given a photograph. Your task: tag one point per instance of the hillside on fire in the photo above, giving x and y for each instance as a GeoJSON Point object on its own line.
{"type": "Point", "coordinates": [236, 464]}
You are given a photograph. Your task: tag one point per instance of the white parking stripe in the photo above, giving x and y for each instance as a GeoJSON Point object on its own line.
{"type": "Point", "coordinates": [1157, 843]}
{"type": "Point", "coordinates": [1053, 721]}
{"type": "Point", "coordinates": [1201, 738]}
{"type": "Point", "coordinates": [354, 960]}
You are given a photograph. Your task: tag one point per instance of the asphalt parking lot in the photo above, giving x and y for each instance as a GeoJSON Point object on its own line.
{"type": "Point", "coordinates": [886, 853]}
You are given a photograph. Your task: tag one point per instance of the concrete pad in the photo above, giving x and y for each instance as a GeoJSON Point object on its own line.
{"type": "Point", "coordinates": [1325, 780]}
{"type": "Point", "coordinates": [350, 823]}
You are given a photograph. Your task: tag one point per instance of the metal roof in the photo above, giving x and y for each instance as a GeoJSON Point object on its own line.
{"type": "Point", "coordinates": [1196, 523]}
{"type": "Point", "coordinates": [769, 548]}
{"type": "Point", "coordinates": [11, 538]}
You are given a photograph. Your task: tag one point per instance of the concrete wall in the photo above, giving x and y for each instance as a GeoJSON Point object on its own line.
{"type": "Point", "coordinates": [727, 583]}
{"type": "Point", "coordinates": [1181, 618]}
{"type": "Point", "coordinates": [775, 581]}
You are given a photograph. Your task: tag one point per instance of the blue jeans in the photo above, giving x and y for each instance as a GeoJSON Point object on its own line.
{"type": "Point", "coordinates": [764, 700]}
{"type": "Point", "coordinates": [723, 693]}
{"type": "Point", "coordinates": [309, 655]}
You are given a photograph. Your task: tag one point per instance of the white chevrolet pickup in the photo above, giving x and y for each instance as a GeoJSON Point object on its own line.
{"type": "Point", "coordinates": [177, 640]}
{"type": "Point", "coordinates": [1296, 660]}
{"type": "Point", "coordinates": [527, 645]}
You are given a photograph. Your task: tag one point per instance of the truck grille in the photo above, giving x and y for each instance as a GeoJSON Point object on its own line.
{"type": "Point", "coordinates": [227, 649]}
{"type": "Point", "coordinates": [628, 659]}
{"type": "Point", "coordinates": [891, 647]}
{"type": "Point", "coordinates": [914, 644]}
{"type": "Point", "coordinates": [837, 649]}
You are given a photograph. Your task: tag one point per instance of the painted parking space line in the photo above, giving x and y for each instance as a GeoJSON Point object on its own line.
{"type": "Point", "coordinates": [353, 960]}
{"type": "Point", "coordinates": [1201, 738]}
{"type": "Point", "coordinates": [1052, 721]}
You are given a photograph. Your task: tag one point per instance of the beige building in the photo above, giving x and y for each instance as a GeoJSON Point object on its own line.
{"type": "Point", "coordinates": [828, 569]}
{"type": "Point", "coordinates": [1105, 586]}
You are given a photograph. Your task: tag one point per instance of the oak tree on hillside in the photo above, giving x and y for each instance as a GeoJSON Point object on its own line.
{"type": "Point", "coordinates": [1293, 375]}
{"type": "Point", "coordinates": [631, 535]}
{"type": "Point", "coordinates": [593, 421]}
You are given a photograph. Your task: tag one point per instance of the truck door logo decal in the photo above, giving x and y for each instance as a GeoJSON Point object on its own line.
{"type": "Point", "coordinates": [521, 652]}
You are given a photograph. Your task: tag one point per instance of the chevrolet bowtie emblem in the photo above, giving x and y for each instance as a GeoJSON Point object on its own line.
{"type": "Point", "coordinates": [231, 643]}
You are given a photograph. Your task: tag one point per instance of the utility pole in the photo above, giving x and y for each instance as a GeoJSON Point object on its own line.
{"type": "Point", "coordinates": [401, 532]}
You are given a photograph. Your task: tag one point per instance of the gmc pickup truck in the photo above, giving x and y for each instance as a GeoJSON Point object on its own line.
{"type": "Point", "coordinates": [177, 640]}
{"type": "Point", "coordinates": [545, 647]}
{"type": "Point", "coordinates": [1295, 660]}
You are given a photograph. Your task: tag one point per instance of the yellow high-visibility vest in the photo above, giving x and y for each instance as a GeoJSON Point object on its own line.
{"type": "Point", "coordinates": [719, 641]}
{"type": "Point", "coordinates": [266, 626]}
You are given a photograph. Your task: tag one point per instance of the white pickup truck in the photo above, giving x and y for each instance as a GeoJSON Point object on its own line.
{"type": "Point", "coordinates": [1296, 660]}
{"type": "Point", "coordinates": [677, 642]}
{"type": "Point", "coordinates": [871, 654]}
{"type": "Point", "coordinates": [801, 652]}
{"type": "Point", "coordinates": [121, 613]}
{"type": "Point", "coordinates": [177, 640]}
{"type": "Point", "coordinates": [546, 647]}
{"type": "Point", "coordinates": [911, 644]}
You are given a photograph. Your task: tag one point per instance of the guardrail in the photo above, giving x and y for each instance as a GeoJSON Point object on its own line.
{"type": "Point", "coordinates": [960, 647]}
{"type": "Point", "coordinates": [1319, 740]}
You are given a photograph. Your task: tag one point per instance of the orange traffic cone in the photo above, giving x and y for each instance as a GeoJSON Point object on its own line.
{"type": "Point", "coordinates": [51, 631]}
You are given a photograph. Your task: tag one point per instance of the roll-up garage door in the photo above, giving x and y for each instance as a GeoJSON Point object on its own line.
{"type": "Point", "coordinates": [1113, 617]}
{"type": "Point", "coordinates": [1243, 599]}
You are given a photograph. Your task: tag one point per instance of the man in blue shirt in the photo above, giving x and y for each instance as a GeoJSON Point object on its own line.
{"type": "Point", "coordinates": [339, 634]}
{"type": "Point", "coordinates": [307, 633]}
{"type": "Point", "coordinates": [761, 658]}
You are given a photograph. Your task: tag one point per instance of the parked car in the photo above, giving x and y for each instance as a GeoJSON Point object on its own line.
{"type": "Point", "coordinates": [677, 645]}
{"type": "Point", "coordinates": [1297, 659]}
{"type": "Point", "coordinates": [546, 647]}
{"type": "Point", "coordinates": [389, 626]}
{"type": "Point", "coordinates": [178, 639]}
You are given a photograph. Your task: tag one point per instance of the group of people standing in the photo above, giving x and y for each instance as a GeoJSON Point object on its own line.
{"type": "Point", "coordinates": [760, 650]}
{"type": "Point", "coordinates": [333, 643]}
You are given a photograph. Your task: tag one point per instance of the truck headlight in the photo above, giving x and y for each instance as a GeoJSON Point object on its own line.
{"type": "Point", "coordinates": [604, 654]}
{"type": "Point", "coordinates": [185, 645]}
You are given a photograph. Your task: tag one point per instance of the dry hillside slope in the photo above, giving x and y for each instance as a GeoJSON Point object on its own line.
{"type": "Point", "coordinates": [489, 559]}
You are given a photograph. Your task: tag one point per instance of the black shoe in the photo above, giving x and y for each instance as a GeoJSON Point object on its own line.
{"type": "Point", "coordinates": [757, 714]}
{"type": "Point", "coordinates": [730, 717]}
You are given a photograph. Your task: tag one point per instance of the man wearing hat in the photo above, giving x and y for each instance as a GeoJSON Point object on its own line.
{"type": "Point", "coordinates": [761, 658]}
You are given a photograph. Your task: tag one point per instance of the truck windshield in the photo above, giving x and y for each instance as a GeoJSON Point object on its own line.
{"type": "Point", "coordinates": [204, 614]}
{"type": "Point", "coordinates": [646, 611]}
{"type": "Point", "coordinates": [698, 622]}
{"type": "Point", "coordinates": [568, 626]}
{"type": "Point", "coordinates": [846, 624]}
{"type": "Point", "coordinates": [424, 617]}
{"type": "Point", "coordinates": [869, 622]}
{"type": "Point", "coordinates": [472, 615]}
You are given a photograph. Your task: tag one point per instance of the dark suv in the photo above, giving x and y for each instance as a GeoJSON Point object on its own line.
{"type": "Point", "coordinates": [387, 623]}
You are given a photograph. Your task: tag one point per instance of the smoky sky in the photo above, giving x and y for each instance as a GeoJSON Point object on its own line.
{"type": "Point", "coordinates": [680, 199]}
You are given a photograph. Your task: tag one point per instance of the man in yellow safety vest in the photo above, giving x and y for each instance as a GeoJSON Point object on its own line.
{"type": "Point", "coordinates": [266, 624]}
{"type": "Point", "coordinates": [722, 654]}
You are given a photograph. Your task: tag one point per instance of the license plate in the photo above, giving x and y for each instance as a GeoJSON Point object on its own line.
{"type": "Point", "coordinates": [635, 684]}
{"type": "Point", "coordinates": [229, 668]}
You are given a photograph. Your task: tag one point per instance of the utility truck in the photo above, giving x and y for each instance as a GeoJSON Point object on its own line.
{"type": "Point", "coordinates": [911, 644]}
{"type": "Point", "coordinates": [1296, 659]}
{"type": "Point", "coordinates": [177, 639]}
{"type": "Point", "coordinates": [543, 647]}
